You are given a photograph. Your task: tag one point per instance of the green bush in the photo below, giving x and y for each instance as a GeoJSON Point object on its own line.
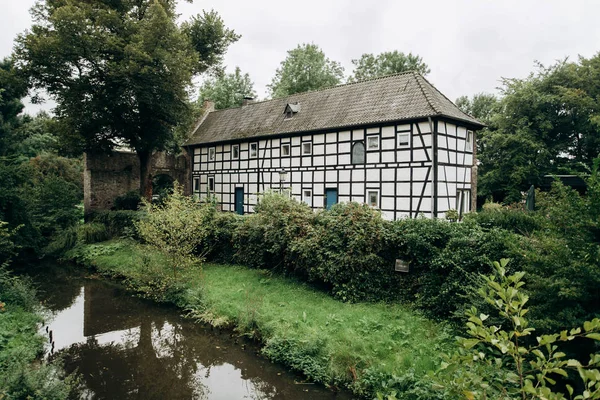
{"type": "Point", "coordinates": [263, 239]}
{"type": "Point", "coordinates": [498, 361]}
{"type": "Point", "coordinates": [118, 223]}
{"type": "Point", "coordinates": [92, 232]}
{"type": "Point", "coordinates": [445, 260]}
{"type": "Point", "coordinates": [129, 201]}
{"type": "Point", "coordinates": [21, 377]}
{"type": "Point", "coordinates": [218, 245]}
{"type": "Point", "coordinates": [176, 228]}
{"type": "Point", "coordinates": [341, 249]}
{"type": "Point", "coordinates": [514, 220]}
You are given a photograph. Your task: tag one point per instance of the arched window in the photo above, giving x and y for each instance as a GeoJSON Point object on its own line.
{"type": "Point", "coordinates": [358, 153]}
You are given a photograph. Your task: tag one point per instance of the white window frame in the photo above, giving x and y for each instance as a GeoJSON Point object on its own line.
{"type": "Point", "coordinates": [469, 141]}
{"type": "Point", "coordinates": [235, 146]}
{"type": "Point", "coordinates": [307, 199]}
{"type": "Point", "coordinates": [255, 155]}
{"type": "Point", "coordinates": [400, 145]}
{"type": "Point", "coordinates": [289, 149]}
{"type": "Point", "coordinates": [208, 189]}
{"type": "Point", "coordinates": [212, 153]}
{"type": "Point", "coordinates": [369, 191]}
{"type": "Point", "coordinates": [196, 184]}
{"type": "Point", "coordinates": [370, 139]}
{"type": "Point", "coordinates": [304, 152]}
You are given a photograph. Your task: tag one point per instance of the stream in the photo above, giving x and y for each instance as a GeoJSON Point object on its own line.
{"type": "Point", "coordinates": [124, 347]}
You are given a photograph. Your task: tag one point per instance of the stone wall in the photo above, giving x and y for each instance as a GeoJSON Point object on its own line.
{"type": "Point", "coordinates": [107, 176]}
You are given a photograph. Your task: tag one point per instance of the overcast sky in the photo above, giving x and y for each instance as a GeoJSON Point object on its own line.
{"type": "Point", "coordinates": [468, 44]}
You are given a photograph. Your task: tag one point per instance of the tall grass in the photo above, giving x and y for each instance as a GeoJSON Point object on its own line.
{"type": "Point", "coordinates": [363, 346]}
{"type": "Point", "coordinates": [20, 346]}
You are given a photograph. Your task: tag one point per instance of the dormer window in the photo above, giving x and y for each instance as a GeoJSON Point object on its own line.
{"type": "Point", "coordinates": [291, 109]}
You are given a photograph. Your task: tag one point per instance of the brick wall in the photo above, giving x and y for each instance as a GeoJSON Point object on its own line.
{"type": "Point", "coordinates": [107, 176]}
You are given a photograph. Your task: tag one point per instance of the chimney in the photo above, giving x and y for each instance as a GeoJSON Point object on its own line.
{"type": "Point", "coordinates": [208, 106]}
{"type": "Point", "coordinates": [247, 100]}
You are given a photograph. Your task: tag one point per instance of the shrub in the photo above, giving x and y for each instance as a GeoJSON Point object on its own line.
{"type": "Point", "coordinates": [92, 232]}
{"type": "Point", "coordinates": [176, 227]}
{"type": "Point", "coordinates": [218, 244]}
{"type": "Point", "coordinates": [341, 250]}
{"type": "Point", "coordinates": [118, 223]}
{"type": "Point", "coordinates": [263, 239]}
{"type": "Point", "coordinates": [514, 220]}
{"type": "Point", "coordinates": [129, 201]}
{"type": "Point", "coordinates": [497, 361]}
{"type": "Point", "coordinates": [445, 259]}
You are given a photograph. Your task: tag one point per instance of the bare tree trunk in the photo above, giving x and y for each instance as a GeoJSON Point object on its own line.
{"type": "Point", "coordinates": [145, 158]}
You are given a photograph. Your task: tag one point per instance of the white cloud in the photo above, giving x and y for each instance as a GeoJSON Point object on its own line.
{"type": "Point", "coordinates": [469, 44]}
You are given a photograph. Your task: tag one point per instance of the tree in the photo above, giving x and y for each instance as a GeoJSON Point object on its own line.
{"type": "Point", "coordinates": [12, 89]}
{"type": "Point", "coordinates": [305, 68]}
{"type": "Point", "coordinates": [390, 62]}
{"type": "Point", "coordinates": [227, 90]}
{"type": "Point", "coordinates": [547, 123]}
{"type": "Point", "coordinates": [119, 71]}
{"type": "Point", "coordinates": [482, 106]}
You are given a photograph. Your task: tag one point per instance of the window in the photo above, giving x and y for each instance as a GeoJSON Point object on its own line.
{"type": "Point", "coordinates": [253, 150]}
{"type": "Point", "coordinates": [211, 184]}
{"type": "Point", "coordinates": [463, 201]}
{"type": "Point", "coordinates": [403, 139]}
{"type": "Point", "coordinates": [196, 184]}
{"type": "Point", "coordinates": [373, 142]}
{"type": "Point", "coordinates": [306, 149]}
{"type": "Point", "coordinates": [291, 109]}
{"type": "Point", "coordinates": [211, 154]}
{"type": "Point", "coordinates": [469, 144]}
{"type": "Point", "coordinates": [285, 150]}
{"type": "Point", "coordinates": [307, 196]}
{"type": "Point", "coordinates": [373, 198]}
{"type": "Point", "coordinates": [358, 153]}
{"type": "Point", "coordinates": [235, 152]}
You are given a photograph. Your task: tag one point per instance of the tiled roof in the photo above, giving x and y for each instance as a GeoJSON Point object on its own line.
{"type": "Point", "coordinates": [397, 97]}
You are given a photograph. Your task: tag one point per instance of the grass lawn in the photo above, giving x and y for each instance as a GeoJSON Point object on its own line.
{"type": "Point", "coordinates": [361, 346]}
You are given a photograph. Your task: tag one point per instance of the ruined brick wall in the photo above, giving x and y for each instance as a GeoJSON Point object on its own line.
{"type": "Point", "coordinates": [107, 176]}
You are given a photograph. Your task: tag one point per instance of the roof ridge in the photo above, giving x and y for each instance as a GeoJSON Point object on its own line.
{"type": "Point", "coordinates": [322, 89]}
{"type": "Point", "coordinates": [446, 97]}
{"type": "Point", "coordinates": [425, 93]}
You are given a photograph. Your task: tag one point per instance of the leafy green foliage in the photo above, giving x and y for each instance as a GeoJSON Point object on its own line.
{"type": "Point", "coordinates": [175, 228]}
{"type": "Point", "coordinates": [341, 250]}
{"type": "Point", "coordinates": [40, 195]}
{"type": "Point", "coordinates": [304, 328]}
{"type": "Point", "coordinates": [547, 123]}
{"type": "Point", "coordinates": [118, 223]}
{"type": "Point", "coordinates": [305, 68]}
{"type": "Point", "coordinates": [20, 345]}
{"type": "Point", "coordinates": [497, 361]}
{"type": "Point", "coordinates": [12, 89]}
{"type": "Point", "coordinates": [369, 66]}
{"type": "Point", "coordinates": [227, 90]}
{"type": "Point", "coordinates": [119, 71]}
{"type": "Point", "coordinates": [128, 201]}
{"type": "Point", "coordinates": [264, 238]}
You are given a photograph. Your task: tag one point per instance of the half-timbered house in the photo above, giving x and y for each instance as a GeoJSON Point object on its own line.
{"type": "Point", "coordinates": [394, 142]}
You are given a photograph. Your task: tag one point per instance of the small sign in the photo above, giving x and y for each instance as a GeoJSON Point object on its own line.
{"type": "Point", "coordinates": [402, 265]}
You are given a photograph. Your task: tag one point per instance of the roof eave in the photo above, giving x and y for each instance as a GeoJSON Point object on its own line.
{"type": "Point", "coordinates": [331, 128]}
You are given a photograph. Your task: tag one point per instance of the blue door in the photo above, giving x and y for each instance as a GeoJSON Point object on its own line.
{"type": "Point", "coordinates": [331, 198]}
{"type": "Point", "coordinates": [239, 201]}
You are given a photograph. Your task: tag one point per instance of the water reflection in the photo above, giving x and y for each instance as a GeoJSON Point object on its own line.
{"type": "Point", "coordinates": [126, 348]}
